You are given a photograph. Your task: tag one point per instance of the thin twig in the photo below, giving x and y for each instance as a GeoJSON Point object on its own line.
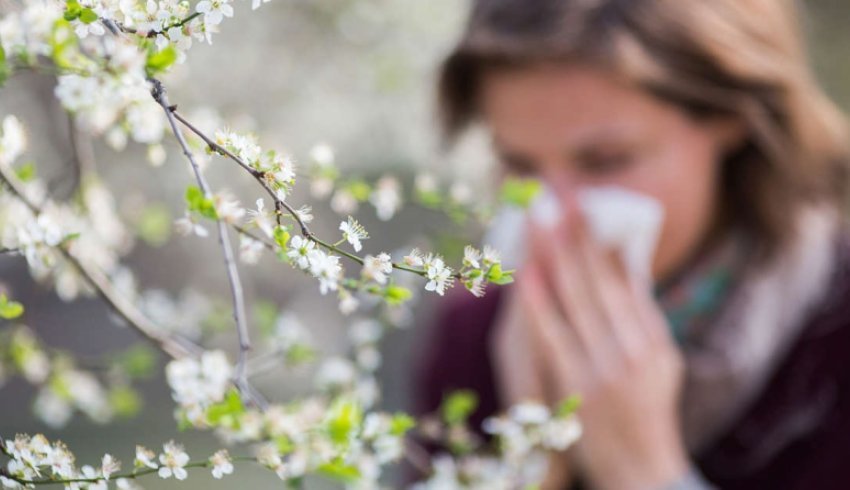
{"type": "Point", "coordinates": [238, 299]}
{"type": "Point", "coordinates": [260, 178]}
{"type": "Point", "coordinates": [131, 475]}
{"type": "Point", "coordinates": [175, 346]}
{"type": "Point", "coordinates": [417, 455]}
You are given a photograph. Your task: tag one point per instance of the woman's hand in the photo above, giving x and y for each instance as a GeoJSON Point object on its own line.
{"type": "Point", "coordinates": [599, 334]}
{"type": "Point", "coordinates": [602, 337]}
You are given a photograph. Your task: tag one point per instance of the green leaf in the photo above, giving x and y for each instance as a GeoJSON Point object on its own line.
{"type": "Point", "coordinates": [138, 361]}
{"type": "Point", "coordinates": [568, 406]}
{"type": "Point", "coordinates": [343, 419]}
{"type": "Point", "coordinates": [339, 471]}
{"type": "Point", "coordinates": [429, 199]}
{"type": "Point", "coordinates": [299, 354]}
{"type": "Point", "coordinates": [4, 68]}
{"type": "Point", "coordinates": [154, 225]}
{"type": "Point", "coordinates": [359, 189]}
{"type": "Point", "coordinates": [265, 315]}
{"type": "Point", "coordinates": [25, 172]}
{"type": "Point", "coordinates": [507, 277]}
{"type": "Point", "coordinates": [281, 236]}
{"type": "Point", "coordinates": [520, 192]}
{"type": "Point", "coordinates": [72, 10]}
{"type": "Point", "coordinates": [284, 445]}
{"type": "Point", "coordinates": [87, 16]}
{"type": "Point", "coordinates": [458, 406]}
{"type": "Point", "coordinates": [9, 310]}
{"type": "Point", "coordinates": [125, 401]}
{"type": "Point", "coordinates": [401, 423]}
{"type": "Point", "coordinates": [196, 202]}
{"type": "Point", "coordinates": [396, 295]}
{"type": "Point", "coordinates": [67, 238]}
{"type": "Point", "coordinates": [159, 61]}
{"type": "Point", "coordinates": [227, 411]}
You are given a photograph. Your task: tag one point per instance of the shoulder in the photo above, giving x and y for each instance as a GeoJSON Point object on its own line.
{"type": "Point", "coordinates": [797, 432]}
{"type": "Point", "coordinates": [455, 355]}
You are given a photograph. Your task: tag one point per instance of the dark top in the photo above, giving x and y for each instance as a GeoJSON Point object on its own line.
{"type": "Point", "coordinates": [806, 403]}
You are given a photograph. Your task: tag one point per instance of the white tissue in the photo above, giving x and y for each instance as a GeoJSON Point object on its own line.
{"type": "Point", "coordinates": [618, 219]}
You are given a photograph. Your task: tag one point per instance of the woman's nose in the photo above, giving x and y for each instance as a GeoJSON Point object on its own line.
{"type": "Point", "coordinates": [563, 185]}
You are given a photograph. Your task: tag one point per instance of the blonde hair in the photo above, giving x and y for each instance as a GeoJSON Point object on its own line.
{"type": "Point", "coordinates": [716, 58]}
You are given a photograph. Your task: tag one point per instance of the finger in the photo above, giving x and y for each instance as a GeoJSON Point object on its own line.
{"type": "Point", "coordinates": [653, 322]}
{"type": "Point", "coordinates": [518, 370]}
{"type": "Point", "coordinates": [610, 286]}
{"type": "Point", "coordinates": [564, 271]}
{"type": "Point", "coordinates": [565, 360]}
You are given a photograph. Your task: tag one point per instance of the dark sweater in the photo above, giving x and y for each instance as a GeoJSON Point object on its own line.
{"type": "Point", "coordinates": [795, 435]}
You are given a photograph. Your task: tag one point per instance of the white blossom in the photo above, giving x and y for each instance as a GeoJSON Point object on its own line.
{"type": "Point", "coordinates": [221, 464]}
{"type": "Point", "coordinates": [145, 458]}
{"type": "Point", "coordinates": [322, 154]}
{"type": "Point", "coordinates": [109, 465]}
{"type": "Point", "coordinates": [471, 257]}
{"type": "Point", "coordinates": [173, 460]}
{"type": "Point", "coordinates": [13, 141]}
{"type": "Point", "coordinates": [214, 10]}
{"type": "Point", "coordinates": [326, 268]}
{"type": "Point", "coordinates": [439, 275]}
{"type": "Point", "coordinates": [377, 268]}
{"type": "Point", "coordinates": [262, 218]}
{"type": "Point", "coordinates": [250, 250]}
{"type": "Point", "coordinates": [386, 197]}
{"type": "Point", "coordinates": [299, 251]}
{"type": "Point", "coordinates": [187, 226]}
{"type": "Point", "coordinates": [353, 232]}
{"type": "Point", "coordinates": [414, 258]}
{"type": "Point", "coordinates": [199, 382]}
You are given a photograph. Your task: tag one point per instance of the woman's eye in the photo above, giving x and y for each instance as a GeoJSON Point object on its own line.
{"type": "Point", "coordinates": [605, 164]}
{"type": "Point", "coordinates": [518, 166]}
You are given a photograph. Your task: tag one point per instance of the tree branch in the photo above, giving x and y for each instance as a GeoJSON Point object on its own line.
{"type": "Point", "coordinates": [175, 346]}
{"type": "Point", "coordinates": [240, 378]}
{"type": "Point", "coordinates": [260, 178]}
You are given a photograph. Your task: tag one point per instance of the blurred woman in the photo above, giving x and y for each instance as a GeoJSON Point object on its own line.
{"type": "Point", "coordinates": [733, 371]}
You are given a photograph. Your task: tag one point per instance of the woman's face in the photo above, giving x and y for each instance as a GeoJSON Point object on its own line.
{"type": "Point", "coordinates": [583, 127]}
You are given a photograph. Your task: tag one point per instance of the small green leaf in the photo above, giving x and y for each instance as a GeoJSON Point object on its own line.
{"type": "Point", "coordinates": [568, 406]}
{"type": "Point", "coordinates": [401, 423]}
{"type": "Point", "coordinates": [339, 471]}
{"type": "Point", "coordinates": [154, 225]}
{"type": "Point", "coordinates": [4, 68]}
{"type": "Point", "coordinates": [284, 444]}
{"type": "Point", "coordinates": [281, 236]}
{"type": "Point", "coordinates": [9, 310]}
{"type": "Point", "coordinates": [25, 172]}
{"type": "Point", "coordinates": [343, 419]}
{"type": "Point", "coordinates": [265, 315]}
{"type": "Point", "coordinates": [72, 10]}
{"type": "Point", "coordinates": [359, 189]}
{"type": "Point", "coordinates": [506, 278]}
{"type": "Point", "coordinates": [196, 202]}
{"type": "Point", "coordinates": [299, 354]}
{"type": "Point", "coordinates": [520, 192]}
{"type": "Point", "coordinates": [429, 199]}
{"type": "Point", "coordinates": [396, 295]}
{"type": "Point", "coordinates": [458, 406]}
{"type": "Point", "coordinates": [87, 16]}
{"type": "Point", "coordinates": [226, 411]}
{"type": "Point", "coordinates": [159, 61]}
{"type": "Point", "coordinates": [138, 362]}
{"type": "Point", "coordinates": [125, 401]}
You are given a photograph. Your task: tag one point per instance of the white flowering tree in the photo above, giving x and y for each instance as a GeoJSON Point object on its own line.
{"type": "Point", "coordinates": [111, 60]}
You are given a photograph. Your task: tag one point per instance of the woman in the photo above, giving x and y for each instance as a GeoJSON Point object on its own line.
{"type": "Point", "coordinates": [732, 372]}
